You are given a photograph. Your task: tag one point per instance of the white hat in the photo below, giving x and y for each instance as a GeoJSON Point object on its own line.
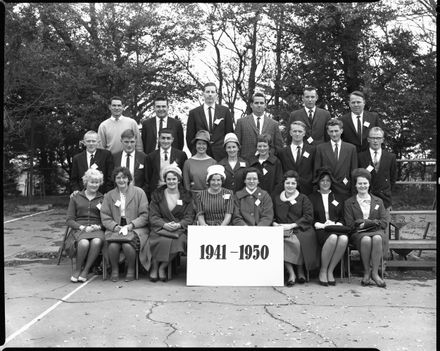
{"type": "Point", "coordinates": [215, 169]}
{"type": "Point", "coordinates": [231, 137]}
{"type": "Point", "coordinates": [172, 168]}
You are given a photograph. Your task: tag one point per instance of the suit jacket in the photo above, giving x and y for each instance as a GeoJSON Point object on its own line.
{"type": "Point", "coordinates": [104, 161]}
{"type": "Point", "coordinates": [247, 133]}
{"type": "Point", "coordinates": [222, 124]}
{"type": "Point", "coordinates": [335, 207]}
{"type": "Point", "coordinates": [140, 172]}
{"type": "Point", "coordinates": [153, 167]}
{"type": "Point", "coordinates": [246, 212]}
{"type": "Point", "coordinates": [234, 177]}
{"type": "Point", "coordinates": [317, 129]}
{"type": "Point", "coordinates": [304, 167]}
{"type": "Point", "coordinates": [349, 133]}
{"type": "Point", "coordinates": [149, 134]}
{"type": "Point", "coordinates": [384, 179]}
{"type": "Point", "coordinates": [341, 169]}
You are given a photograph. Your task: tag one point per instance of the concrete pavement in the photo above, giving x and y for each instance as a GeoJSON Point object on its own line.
{"type": "Point", "coordinates": [144, 314]}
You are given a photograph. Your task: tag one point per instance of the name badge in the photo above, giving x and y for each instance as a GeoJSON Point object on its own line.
{"type": "Point", "coordinates": [141, 166]}
{"type": "Point", "coordinates": [366, 124]}
{"type": "Point", "coordinates": [174, 164]}
{"type": "Point", "coordinates": [293, 202]}
{"type": "Point", "coordinates": [369, 168]}
{"type": "Point", "coordinates": [217, 121]}
{"type": "Point", "coordinates": [226, 196]}
{"type": "Point", "coordinates": [258, 202]}
{"type": "Point", "coordinates": [256, 153]}
{"type": "Point", "coordinates": [335, 203]}
{"type": "Point", "coordinates": [345, 181]}
{"type": "Point", "coordinates": [306, 154]}
{"type": "Point", "coordinates": [98, 206]}
{"type": "Point", "coordinates": [310, 140]}
{"type": "Point", "coordinates": [265, 171]}
{"type": "Point", "coordinates": [118, 203]}
{"type": "Point", "coordinates": [94, 166]}
{"type": "Point", "coordinates": [179, 202]}
{"type": "Point", "coordinates": [242, 164]}
{"type": "Point", "coordinates": [376, 207]}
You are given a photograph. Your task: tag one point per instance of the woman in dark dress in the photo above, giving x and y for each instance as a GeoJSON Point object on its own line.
{"type": "Point", "coordinates": [294, 212]}
{"type": "Point", "coordinates": [328, 210]}
{"type": "Point", "coordinates": [171, 211]}
{"type": "Point", "coordinates": [366, 214]}
{"type": "Point", "coordinates": [83, 217]}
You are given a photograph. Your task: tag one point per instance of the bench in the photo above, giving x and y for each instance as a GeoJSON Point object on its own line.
{"type": "Point", "coordinates": [403, 247]}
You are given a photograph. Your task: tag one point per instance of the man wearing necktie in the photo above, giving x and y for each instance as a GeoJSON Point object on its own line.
{"type": "Point", "coordinates": [299, 156]}
{"type": "Point", "coordinates": [358, 122]}
{"type": "Point", "coordinates": [382, 165]}
{"type": "Point", "coordinates": [91, 157]}
{"type": "Point", "coordinates": [259, 122]}
{"type": "Point", "coordinates": [314, 118]}
{"type": "Point", "coordinates": [152, 126]}
{"type": "Point", "coordinates": [340, 157]}
{"type": "Point", "coordinates": [213, 117]}
{"type": "Point", "coordinates": [132, 159]}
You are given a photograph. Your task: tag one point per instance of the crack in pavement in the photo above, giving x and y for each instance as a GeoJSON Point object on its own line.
{"type": "Point", "coordinates": [148, 316]}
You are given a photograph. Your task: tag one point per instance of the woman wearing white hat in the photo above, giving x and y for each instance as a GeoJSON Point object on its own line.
{"type": "Point", "coordinates": [234, 165]}
{"type": "Point", "coordinates": [215, 205]}
{"type": "Point", "coordinates": [195, 168]}
{"type": "Point", "coordinates": [171, 211]}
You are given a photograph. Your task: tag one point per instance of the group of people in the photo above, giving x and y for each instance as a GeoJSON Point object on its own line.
{"type": "Point", "coordinates": [330, 186]}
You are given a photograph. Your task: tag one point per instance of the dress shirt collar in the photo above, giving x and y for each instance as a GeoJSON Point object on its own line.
{"type": "Point", "coordinates": [124, 154]}
{"type": "Point", "coordinates": [354, 116]}
{"type": "Point", "coordinates": [308, 109]}
{"type": "Point", "coordinates": [379, 153]}
{"type": "Point", "coordinates": [334, 144]}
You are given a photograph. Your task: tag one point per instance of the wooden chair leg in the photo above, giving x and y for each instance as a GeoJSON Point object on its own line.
{"type": "Point", "coordinates": [136, 266]}
{"type": "Point", "coordinates": [348, 264]}
{"type": "Point", "coordinates": [63, 245]}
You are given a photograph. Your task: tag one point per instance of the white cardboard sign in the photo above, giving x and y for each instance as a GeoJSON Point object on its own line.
{"type": "Point", "coordinates": [235, 256]}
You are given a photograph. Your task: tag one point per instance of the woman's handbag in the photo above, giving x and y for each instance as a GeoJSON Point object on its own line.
{"type": "Point", "coordinates": [115, 237]}
{"type": "Point", "coordinates": [338, 229]}
{"type": "Point", "coordinates": [171, 235]}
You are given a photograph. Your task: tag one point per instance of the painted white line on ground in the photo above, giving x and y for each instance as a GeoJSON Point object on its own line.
{"type": "Point", "coordinates": [36, 319]}
{"type": "Point", "coordinates": [33, 214]}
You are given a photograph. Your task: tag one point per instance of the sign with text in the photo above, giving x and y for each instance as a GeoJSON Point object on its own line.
{"type": "Point", "coordinates": [235, 256]}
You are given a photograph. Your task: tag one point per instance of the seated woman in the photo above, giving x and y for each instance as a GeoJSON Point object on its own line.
{"type": "Point", "coordinates": [294, 212]}
{"type": "Point", "coordinates": [84, 218]}
{"type": "Point", "coordinates": [195, 168]}
{"type": "Point", "coordinates": [366, 214]}
{"type": "Point", "coordinates": [252, 205]}
{"type": "Point", "coordinates": [233, 164]}
{"type": "Point", "coordinates": [124, 214]}
{"type": "Point", "coordinates": [328, 210]}
{"type": "Point", "coordinates": [215, 205]}
{"type": "Point", "coordinates": [171, 211]}
{"type": "Point", "coordinates": [268, 164]}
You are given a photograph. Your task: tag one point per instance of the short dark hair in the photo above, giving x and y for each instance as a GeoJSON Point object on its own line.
{"type": "Point", "coordinates": [250, 170]}
{"type": "Point", "coordinates": [357, 93]}
{"type": "Point", "coordinates": [310, 88]}
{"type": "Point", "coordinates": [290, 174]}
{"type": "Point", "coordinates": [264, 138]}
{"type": "Point", "coordinates": [161, 98]}
{"type": "Point", "coordinates": [210, 84]}
{"type": "Point", "coordinates": [165, 131]}
{"type": "Point", "coordinates": [334, 122]}
{"type": "Point", "coordinates": [128, 133]}
{"type": "Point", "coordinates": [116, 98]}
{"type": "Point", "coordinates": [124, 170]}
{"type": "Point", "coordinates": [360, 172]}
{"type": "Point", "coordinates": [258, 95]}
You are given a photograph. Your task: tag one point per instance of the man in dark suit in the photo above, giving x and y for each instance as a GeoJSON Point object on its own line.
{"type": "Point", "coordinates": [299, 156]}
{"type": "Point", "coordinates": [161, 158]}
{"type": "Point", "coordinates": [151, 127]}
{"type": "Point", "coordinates": [134, 160]}
{"type": "Point", "coordinates": [314, 118]}
{"type": "Point", "coordinates": [340, 157]}
{"type": "Point", "coordinates": [259, 122]}
{"type": "Point", "coordinates": [358, 122]}
{"type": "Point", "coordinates": [92, 157]}
{"type": "Point", "coordinates": [212, 117]}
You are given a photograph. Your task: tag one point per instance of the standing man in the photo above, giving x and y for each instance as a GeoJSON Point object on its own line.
{"type": "Point", "coordinates": [259, 122]}
{"type": "Point", "coordinates": [299, 156]}
{"type": "Point", "coordinates": [211, 117]}
{"type": "Point", "coordinates": [314, 118]}
{"type": "Point", "coordinates": [133, 159]}
{"type": "Point", "coordinates": [383, 168]}
{"type": "Point", "coordinates": [358, 122]}
{"type": "Point", "coordinates": [91, 157]}
{"type": "Point", "coordinates": [340, 157]}
{"type": "Point", "coordinates": [110, 130]}
{"type": "Point", "coordinates": [161, 158]}
{"type": "Point", "coordinates": [151, 127]}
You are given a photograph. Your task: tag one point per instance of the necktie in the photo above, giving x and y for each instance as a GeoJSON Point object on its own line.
{"type": "Point", "coordinates": [359, 128]}
{"type": "Point", "coordinates": [311, 115]}
{"type": "Point", "coordinates": [92, 160]}
{"type": "Point", "coordinates": [258, 124]}
{"type": "Point", "coordinates": [165, 155]}
{"type": "Point", "coordinates": [336, 151]}
{"type": "Point", "coordinates": [160, 124]}
{"type": "Point", "coordinates": [210, 118]}
{"type": "Point", "coordinates": [298, 153]}
{"type": "Point", "coordinates": [127, 164]}
{"type": "Point", "coordinates": [375, 161]}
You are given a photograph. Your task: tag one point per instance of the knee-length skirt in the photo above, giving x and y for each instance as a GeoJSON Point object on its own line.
{"type": "Point", "coordinates": [292, 249]}
{"type": "Point", "coordinates": [162, 248]}
{"type": "Point", "coordinates": [355, 239]}
{"type": "Point", "coordinates": [309, 247]}
{"type": "Point", "coordinates": [76, 235]}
